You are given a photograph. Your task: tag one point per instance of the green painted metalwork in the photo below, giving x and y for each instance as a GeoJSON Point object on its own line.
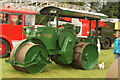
{"type": "Point", "coordinates": [89, 57]}
{"type": "Point", "coordinates": [63, 34]}
{"type": "Point", "coordinates": [36, 57]}
{"type": "Point", "coordinates": [49, 37]}
{"type": "Point", "coordinates": [50, 42]}
{"type": "Point", "coordinates": [89, 39]}
{"type": "Point", "coordinates": [41, 56]}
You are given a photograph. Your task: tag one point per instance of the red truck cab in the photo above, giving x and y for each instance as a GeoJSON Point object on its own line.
{"type": "Point", "coordinates": [11, 23]}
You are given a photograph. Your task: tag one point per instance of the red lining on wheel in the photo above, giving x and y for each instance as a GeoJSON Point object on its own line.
{"type": "Point", "coordinates": [3, 49]}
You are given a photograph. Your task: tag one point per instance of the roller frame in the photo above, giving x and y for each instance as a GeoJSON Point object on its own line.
{"type": "Point", "coordinates": [26, 64]}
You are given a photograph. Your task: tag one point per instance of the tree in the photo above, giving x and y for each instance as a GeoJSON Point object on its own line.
{"type": "Point", "coordinates": [111, 9]}
{"type": "Point", "coordinates": [76, 3]}
{"type": "Point", "coordinates": [98, 5]}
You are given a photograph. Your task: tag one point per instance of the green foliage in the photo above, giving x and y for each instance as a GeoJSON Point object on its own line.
{"type": "Point", "coordinates": [96, 6]}
{"type": "Point", "coordinates": [76, 3]}
{"type": "Point", "coordinates": [111, 9]}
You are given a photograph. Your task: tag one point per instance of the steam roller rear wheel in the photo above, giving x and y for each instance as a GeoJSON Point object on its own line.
{"type": "Point", "coordinates": [85, 56]}
{"type": "Point", "coordinates": [26, 54]}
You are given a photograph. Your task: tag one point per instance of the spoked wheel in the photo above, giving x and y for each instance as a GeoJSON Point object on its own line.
{"type": "Point", "coordinates": [33, 54]}
{"type": "Point", "coordinates": [4, 48]}
{"type": "Point", "coordinates": [85, 56]}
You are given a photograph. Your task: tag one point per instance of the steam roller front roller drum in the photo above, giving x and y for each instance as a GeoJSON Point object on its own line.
{"type": "Point", "coordinates": [26, 54]}
{"type": "Point", "coordinates": [85, 56]}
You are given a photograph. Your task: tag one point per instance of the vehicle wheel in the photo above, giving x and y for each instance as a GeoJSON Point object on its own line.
{"type": "Point", "coordinates": [33, 55]}
{"type": "Point", "coordinates": [4, 48]}
{"type": "Point", "coordinates": [85, 56]}
{"type": "Point", "coordinates": [106, 44]}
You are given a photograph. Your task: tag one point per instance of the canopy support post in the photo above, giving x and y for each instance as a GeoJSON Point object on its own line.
{"type": "Point", "coordinates": [96, 28]}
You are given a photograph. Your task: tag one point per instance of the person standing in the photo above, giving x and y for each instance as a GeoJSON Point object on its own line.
{"type": "Point", "coordinates": [117, 45]}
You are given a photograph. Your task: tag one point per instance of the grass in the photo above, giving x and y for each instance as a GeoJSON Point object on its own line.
{"type": "Point", "coordinates": [57, 71]}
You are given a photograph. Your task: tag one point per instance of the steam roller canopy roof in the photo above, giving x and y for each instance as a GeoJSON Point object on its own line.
{"type": "Point", "coordinates": [65, 12]}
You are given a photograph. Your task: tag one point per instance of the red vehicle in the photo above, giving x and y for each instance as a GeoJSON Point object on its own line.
{"type": "Point", "coordinates": [11, 23]}
{"type": "Point", "coordinates": [105, 30]}
{"type": "Point", "coordinates": [85, 24]}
